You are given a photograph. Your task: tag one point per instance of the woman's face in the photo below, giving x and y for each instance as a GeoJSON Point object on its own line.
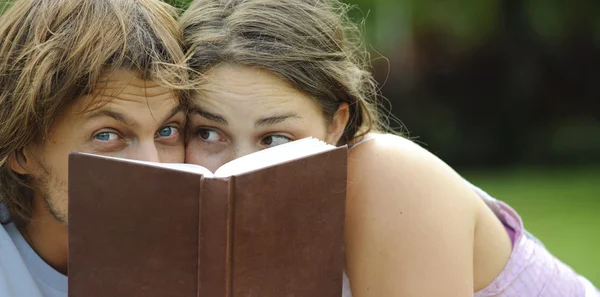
{"type": "Point", "coordinates": [240, 110]}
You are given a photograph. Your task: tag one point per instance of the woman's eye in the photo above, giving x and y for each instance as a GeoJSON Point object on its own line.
{"type": "Point", "coordinates": [106, 136]}
{"type": "Point", "coordinates": [167, 131]}
{"type": "Point", "coordinates": [209, 135]}
{"type": "Point", "coordinates": [274, 140]}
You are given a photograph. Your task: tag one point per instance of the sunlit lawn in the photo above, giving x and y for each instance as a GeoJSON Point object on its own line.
{"type": "Point", "coordinates": [561, 207]}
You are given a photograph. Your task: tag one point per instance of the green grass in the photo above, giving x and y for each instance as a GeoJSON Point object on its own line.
{"type": "Point", "coordinates": [560, 207]}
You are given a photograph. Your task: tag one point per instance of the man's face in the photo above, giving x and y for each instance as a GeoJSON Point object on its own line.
{"type": "Point", "coordinates": [140, 120]}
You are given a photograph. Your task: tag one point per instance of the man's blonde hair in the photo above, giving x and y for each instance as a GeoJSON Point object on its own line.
{"type": "Point", "coordinates": [53, 52]}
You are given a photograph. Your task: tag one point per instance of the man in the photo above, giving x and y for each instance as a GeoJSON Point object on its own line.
{"type": "Point", "coordinates": [76, 75]}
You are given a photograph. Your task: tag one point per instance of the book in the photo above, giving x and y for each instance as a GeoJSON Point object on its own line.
{"type": "Point", "coordinates": [269, 224]}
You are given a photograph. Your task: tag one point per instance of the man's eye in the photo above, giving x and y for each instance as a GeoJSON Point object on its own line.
{"type": "Point", "coordinates": [167, 131]}
{"type": "Point", "coordinates": [106, 136]}
{"type": "Point", "coordinates": [275, 140]}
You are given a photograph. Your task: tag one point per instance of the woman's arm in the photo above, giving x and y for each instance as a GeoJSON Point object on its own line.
{"type": "Point", "coordinates": [410, 223]}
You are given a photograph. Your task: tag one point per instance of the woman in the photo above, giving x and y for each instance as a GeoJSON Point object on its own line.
{"type": "Point", "coordinates": [279, 70]}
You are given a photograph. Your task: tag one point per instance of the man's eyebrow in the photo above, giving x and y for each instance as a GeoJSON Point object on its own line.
{"type": "Point", "coordinates": [209, 115]}
{"type": "Point", "coordinates": [118, 116]}
{"type": "Point", "coordinates": [115, 115]}
{"type": "Point", "coordinates": [276, 119]}
{"type": "Point", "coordinates": [177, 109]}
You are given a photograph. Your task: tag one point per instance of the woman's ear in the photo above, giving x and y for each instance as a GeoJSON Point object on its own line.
{"type": "Point", "coordinates": [337, 126]}
{"type": "Point", "coordinates": [18, 162]}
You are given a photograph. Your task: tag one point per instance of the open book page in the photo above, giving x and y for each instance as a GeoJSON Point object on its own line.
{"type": "Point", "coordinates": [257, 160]}
{"type": "Point", "coordinates": [272, 156]}
{"type": "Point", "coordinates": [191, 168]}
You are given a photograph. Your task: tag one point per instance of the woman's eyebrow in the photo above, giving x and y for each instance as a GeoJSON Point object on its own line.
{"type": "Point", "coordinates": [275, 119]}
{"type": "Point", "coordinates": [209, 116]}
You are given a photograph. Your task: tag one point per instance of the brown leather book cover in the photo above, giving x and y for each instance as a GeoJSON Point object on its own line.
{"type": "Point", "coordinates": [142, 230]}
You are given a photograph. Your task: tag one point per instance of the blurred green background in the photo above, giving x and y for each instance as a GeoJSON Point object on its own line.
{"type": "Point", "coordinates": [504, 91]}
{"type": "Point", "coordinates": [558, 205]}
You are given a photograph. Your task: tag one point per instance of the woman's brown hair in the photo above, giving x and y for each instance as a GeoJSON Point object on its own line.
{"type": "Point", "coordinates": [311, 44]}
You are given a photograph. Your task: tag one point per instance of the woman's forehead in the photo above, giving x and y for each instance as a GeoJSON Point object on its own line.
{"type": "Point", "coordinates": [244, 80]}
{"type": "Point", "coordinates": [242, 85]}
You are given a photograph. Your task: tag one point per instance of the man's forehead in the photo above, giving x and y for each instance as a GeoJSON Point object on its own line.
{"type": "Point", "coordinates": [93, 104]}
{"type": "Point", "coordinates": [122, 82]}
{"type": "Point", "coordinates": [123, 90]}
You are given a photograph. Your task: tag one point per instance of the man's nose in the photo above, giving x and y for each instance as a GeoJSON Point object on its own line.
{"type": "Point", "coordinates": [146, 151]}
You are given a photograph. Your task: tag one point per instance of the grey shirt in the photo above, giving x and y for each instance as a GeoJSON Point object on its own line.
{"type": "Point", "coordinates": [22, 272]}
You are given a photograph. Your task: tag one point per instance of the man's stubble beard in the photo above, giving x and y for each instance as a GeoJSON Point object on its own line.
{"type": "Point", "coordinates": [55, 193]}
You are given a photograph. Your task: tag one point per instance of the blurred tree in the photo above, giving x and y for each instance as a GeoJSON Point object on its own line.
{"type": "Point", "coordinates": [493, 82]}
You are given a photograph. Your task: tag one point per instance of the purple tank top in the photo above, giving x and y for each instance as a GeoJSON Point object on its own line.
{"type": "Point", "coordinates": [531, 270]}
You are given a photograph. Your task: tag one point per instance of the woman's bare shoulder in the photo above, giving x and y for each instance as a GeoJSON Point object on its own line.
{"type": "Point", "coordinates": [397, 158]}
{"type": "Point", "coordinates": [410, 217]}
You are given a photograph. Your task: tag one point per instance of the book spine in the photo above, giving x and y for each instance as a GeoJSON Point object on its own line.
{"type": "Point", "coordinates": [199, 257]}
{"type": "Point", "coordinates": [214, 237]}
{"type": "Point", "coordinates": [230, 231]}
